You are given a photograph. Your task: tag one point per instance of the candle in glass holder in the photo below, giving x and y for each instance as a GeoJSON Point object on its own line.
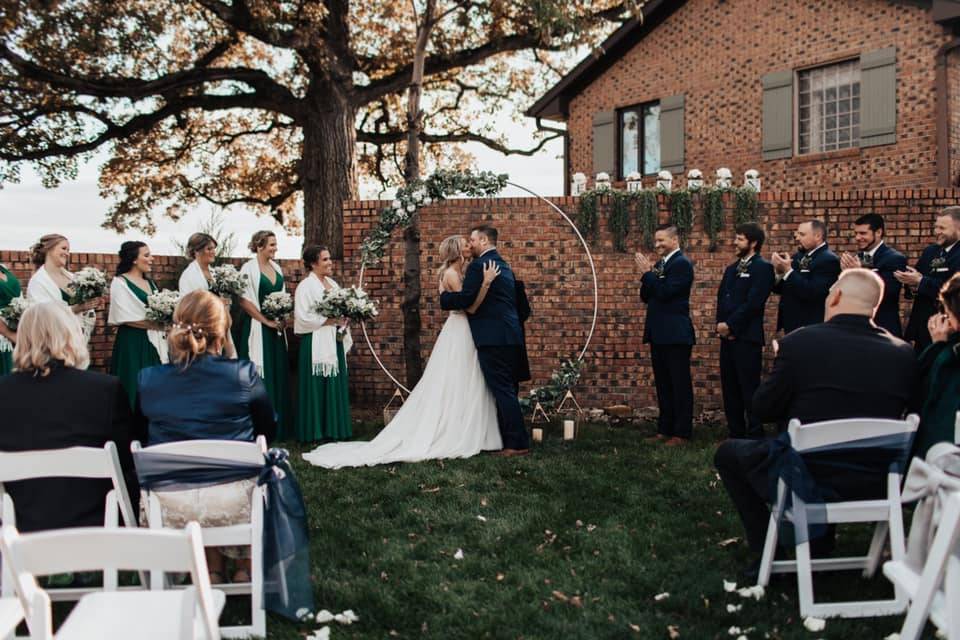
{"type": "Point", "coordinates": [537, 434]}
{"type": "Point", "coordinates": [568, 429]}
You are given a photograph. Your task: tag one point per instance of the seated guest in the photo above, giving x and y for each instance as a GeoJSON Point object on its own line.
{"type": "Point", "coordinates": [940, 370]}
{"type": "Point", "coordinates": [846, 367]}
{"type": "Point", "coordinates": [202, 395]}
{"type": "Point", "coordinates": [52, 402]}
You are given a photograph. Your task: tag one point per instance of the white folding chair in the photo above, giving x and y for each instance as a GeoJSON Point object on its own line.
{"type": "Point", "coordinates": [886, 512]}
{"type": "Point", "coordinates": [11, 614]}
{"type": "Point", "coordinates": [240, 535]}
{"type": "Point", "coordinates": [184, 615]}
{"type": "Point", "coordinates": [956, 429]}
{"type": "Point", "coordinates": [72, 462]}
{"type": "Point", "coordinates": [934, 592]}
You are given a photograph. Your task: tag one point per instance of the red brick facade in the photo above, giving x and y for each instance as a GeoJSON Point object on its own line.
{"type": "Point", "coordinates": [715, 52]}
{"type": "Point", "coordinates": [545, 253]}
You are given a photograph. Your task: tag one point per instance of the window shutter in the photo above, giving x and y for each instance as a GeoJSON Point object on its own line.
{"type": "Point", "coordinates": [777, 115]}
{"type": "Point", "coordinates": [671, 134]}
{"type": "Point", "coordinates": [605, 142]}
{"type": "Point", "coordinates": [878, 97]}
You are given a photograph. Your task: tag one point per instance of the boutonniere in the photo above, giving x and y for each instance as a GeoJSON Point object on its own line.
{"type": "Point", "coordinates": [658, 268]}
{"type": "Point", "coordinates": [866, 261]}
{"type": "Point", "coordinates": [938, 263]}
{"type": "Point", "coordinates": [743, 267]}
{"type": "Point", "coordinates": [805, 262]}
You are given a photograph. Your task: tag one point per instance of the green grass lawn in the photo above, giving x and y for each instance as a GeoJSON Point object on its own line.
{"type": "Point", "coordinates": [575, 542]}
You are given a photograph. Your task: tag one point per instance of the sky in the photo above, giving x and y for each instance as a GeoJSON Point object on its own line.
{"type": "Point", "coordinates": [76, 210]}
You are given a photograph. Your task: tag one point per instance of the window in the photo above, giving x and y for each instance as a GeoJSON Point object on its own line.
{"type": "Point", "coordinates": [828, 101]}
{"type": "Point", "coordinates": [640, 139]}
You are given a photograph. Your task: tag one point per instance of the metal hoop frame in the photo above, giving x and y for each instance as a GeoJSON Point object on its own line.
{"type": "Point", "coordinates": [593, 273]}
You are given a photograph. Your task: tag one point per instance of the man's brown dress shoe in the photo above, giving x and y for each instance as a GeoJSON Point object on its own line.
{"type": "Point", "coordinates": [512, 453]}
{"type": "Point", "coordinates": [675, 441]}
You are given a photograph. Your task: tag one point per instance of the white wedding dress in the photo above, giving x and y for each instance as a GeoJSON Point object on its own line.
{"type": "Point", "coordinates": [449, 414]}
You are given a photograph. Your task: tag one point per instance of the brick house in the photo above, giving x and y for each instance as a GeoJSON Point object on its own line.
{"type": "Point", "coordinates": [814, 94]}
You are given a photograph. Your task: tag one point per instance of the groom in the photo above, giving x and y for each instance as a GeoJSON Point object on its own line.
{"type": "Point", "coordinates": [496, 331]}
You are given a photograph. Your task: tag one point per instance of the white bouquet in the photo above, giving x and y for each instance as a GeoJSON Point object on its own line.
{"type": "Point", "coordinates": [88, 284]}
{"type": "Point", "coordinates": [352, 303]}
{"type": "Point", "coordinates": [227, 282]}
{"type": "Point", "coordinates": [160, 306]}
{"type": "Point", "coordinates": [10, 315]}
{"type": "Point", "coordinates": [277, 306]}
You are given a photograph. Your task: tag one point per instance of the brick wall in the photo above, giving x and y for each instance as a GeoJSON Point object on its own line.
{"type": "Point", "coordinates": [953, 90]}
{"type": "Point", "coordinates": [545, 252]}
{"type": "Point", "coordinates": [716, 51]}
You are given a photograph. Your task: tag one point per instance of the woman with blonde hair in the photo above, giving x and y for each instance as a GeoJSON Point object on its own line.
{"type": "Point", "coordinates": [9, 289]}
{"type": "Point", "coordinates": [259, 339]}
{"type": "Point", "coordinates": [450, 413]}
{"type": "Point", "coordinates": [51, 401]}
{"type": "Point", "coordinates": [51, 282]}
{"type": "Point", "coordinates": [201, 395]}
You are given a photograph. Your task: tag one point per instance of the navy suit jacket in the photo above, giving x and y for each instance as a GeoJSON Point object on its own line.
{"type": "Point", "coordinates": [741, 299]}
{"type": "Point", "coordinates": [886, 261]}
{"type": "Point", "coordinates": [927, 295]}
{"type": "Point", "coordinates": [803, 294]}
{"type": "Point", "coordinates": [496, 322]}
{"type": "Point", "coordinates": [668, 302]}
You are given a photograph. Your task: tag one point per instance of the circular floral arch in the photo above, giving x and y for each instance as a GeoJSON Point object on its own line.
{"type": "Point", "coordinates": [437, 187]}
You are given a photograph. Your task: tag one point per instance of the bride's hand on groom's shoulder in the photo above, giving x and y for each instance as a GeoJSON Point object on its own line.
{"type": "Point", "coordinates": [490, 272]}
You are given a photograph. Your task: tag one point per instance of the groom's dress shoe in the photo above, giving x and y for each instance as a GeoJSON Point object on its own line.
{"type": "Point", "coordinates": [512, 453]}
{"type": "Point", "coordinates": [657, 438]}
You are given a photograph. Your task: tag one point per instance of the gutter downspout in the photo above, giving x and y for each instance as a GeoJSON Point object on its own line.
{"type": "Point", "coordinates": [942, 92]}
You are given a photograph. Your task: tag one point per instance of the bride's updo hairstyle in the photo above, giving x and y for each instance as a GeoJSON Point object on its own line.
{"type": "Point", "coordinates": [450, 252]}
{"type": "Point", "coordinates": [38, 252]}
{"type": "Point", "coordinates": [200, 325]}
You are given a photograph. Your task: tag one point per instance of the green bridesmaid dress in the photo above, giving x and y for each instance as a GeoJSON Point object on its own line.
{"type": "Point", "coordinates": [324, 402]}
{"type": "Point", "coordinates": [275, 364]}
{"type": "Point", "coordinates": [132, 350]}
{"type": "Point", "coordinates": [9, 289]}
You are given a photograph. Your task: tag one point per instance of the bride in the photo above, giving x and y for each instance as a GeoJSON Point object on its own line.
{"type": "Point", "coordinates": [450, 413]}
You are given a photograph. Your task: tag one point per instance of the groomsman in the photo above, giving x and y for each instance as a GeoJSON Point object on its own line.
{"type": "Point", "coordinates": [741, 300]}
{"type": "Point", "coordinates": [874, 254]}
{"type": "Point", "coordinates": [937, 263]}
{"type": "Point", "coordinates": [665, 289]}
{"type": "Point", "coordinates": [804, 280]}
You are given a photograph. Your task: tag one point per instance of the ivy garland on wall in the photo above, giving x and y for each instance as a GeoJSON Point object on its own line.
{"type": "Point", "coordinates": [646, 203]}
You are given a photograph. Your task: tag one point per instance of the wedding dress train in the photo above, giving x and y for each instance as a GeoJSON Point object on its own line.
{"type": "Point", "coordinates": [449, 414]}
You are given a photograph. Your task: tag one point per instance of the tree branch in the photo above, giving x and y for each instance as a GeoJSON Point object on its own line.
{"type": "Point", "coordinates": [393, 137]}
{"type": "Point", "coordinates": [273, 202]}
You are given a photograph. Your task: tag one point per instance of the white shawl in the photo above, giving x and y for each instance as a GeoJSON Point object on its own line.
{"type": "Point", "coordinates": [251, 268]}
{"type": "Point", "coordinates": [125, 307]}
{"type": "Point", "coordinates": [42, 288]}
{"type": "Point", "coordinates": [192, 279]}
{"type": "Point", "coordinates": [323, 345]}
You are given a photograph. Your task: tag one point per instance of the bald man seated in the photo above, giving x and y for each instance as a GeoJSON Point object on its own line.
{"type": "Point", "coordinates": [844, 367]}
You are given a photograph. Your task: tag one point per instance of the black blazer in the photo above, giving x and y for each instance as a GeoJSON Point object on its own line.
{"type": "Point", "coordinates": [67, 408]}
{"type": "Point", "coordinates": [803, 294]}
{"type": "Point", "coordinates": [928, 293]}
{"type": "Point", "coordinates": [845, 368]}
{"type": "Point", "coordinates": [742, 299]}
{"type": "Point", "coordinates": [496, 322]}
{"type": "Point", "coordinates": [668, 302]}
{"type": "Point", "coordinates": [886, 261]}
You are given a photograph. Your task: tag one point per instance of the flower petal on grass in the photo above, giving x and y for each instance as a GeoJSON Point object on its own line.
{"type": "Point", "coordinates": [458, 555]}
{"type": "Point", "coordinates": [320, 634]}
{"type": "Point", "coordinates": [814, 624]}
{"type": "Point", "coordinates": [734, 608]}
{"type": "Point", "coordinates": [324, 616]}
{"type": "Point", "coordinates": [729, 587]}
{"type": "Point", "coordinates": [661, 596]}
{"type": "Point", "coordinates": [351, 616]}
{"type": "Point", "coordinates": [481, 518]}
{"type": "Point", "coordinates": [756, 592]}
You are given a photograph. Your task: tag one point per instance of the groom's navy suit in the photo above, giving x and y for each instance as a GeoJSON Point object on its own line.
{"type": "Point", "coordinates": [499, 338]}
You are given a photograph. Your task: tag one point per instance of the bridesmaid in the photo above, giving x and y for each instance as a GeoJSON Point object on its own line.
{"type": "Point", "coordinates": [9, 289]}
{"type": "Point", "coordinates": [324, 400]}
{"type": "Point", "coordinates": [139, 343]}
{"type": "Point", "coordinates": [51, 281]}
{"type": "Point", "coordinates": [202, 250]}
{"type": "Point", "coordinates": [258, 339]}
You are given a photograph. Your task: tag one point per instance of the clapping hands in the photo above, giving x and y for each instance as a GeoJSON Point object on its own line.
{"type": "Point", "coordinates": [939, 327]}
{"type": "Point", "coordinates": [911, 277]}
{"type": "Point", "coordinates": [849, 261]}
{"type": "Point", "coordinates": [643, 262]}
{"type": "Point", "coordinates": [781, 262]}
